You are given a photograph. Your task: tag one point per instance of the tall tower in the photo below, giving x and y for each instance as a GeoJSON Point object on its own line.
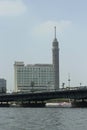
{"type": "Point", "coordinates": [55, 54]}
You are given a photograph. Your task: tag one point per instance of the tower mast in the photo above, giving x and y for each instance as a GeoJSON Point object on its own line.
{"type": "Point", "coordinates": [55, 32]}
{"type": "Point", "coordinates": [55, 53]}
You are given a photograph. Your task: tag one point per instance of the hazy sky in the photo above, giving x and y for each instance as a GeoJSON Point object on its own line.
{"type": "Point", "coordinates": [27, 32]}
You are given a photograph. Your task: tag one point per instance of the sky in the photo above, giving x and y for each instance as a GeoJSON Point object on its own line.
{"type": "Point", "coordinates": [27, 33]}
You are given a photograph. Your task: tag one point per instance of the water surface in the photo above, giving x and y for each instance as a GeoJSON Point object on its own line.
{"type": "Point", "coordinates": [43, 118]}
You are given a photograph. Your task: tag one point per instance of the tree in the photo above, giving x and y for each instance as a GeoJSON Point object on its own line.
{"type": "Point", "coordinates": [32, 85]}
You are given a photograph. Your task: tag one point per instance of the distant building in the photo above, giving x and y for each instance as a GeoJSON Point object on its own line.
{"type": "Point", "coordinates": [33, 77]}
{"type": "Point", "coordinates": [2, 86]}
{"type": "Point", "coordinates": [38, 76]}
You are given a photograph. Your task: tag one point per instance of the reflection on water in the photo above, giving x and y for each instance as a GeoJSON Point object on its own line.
{"type": "Point", "coordinates": [43, 118]}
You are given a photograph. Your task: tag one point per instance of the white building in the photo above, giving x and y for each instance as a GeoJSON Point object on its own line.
{"type": "Point", "coordinates": [2, 86]}
{"type": "Point", "coordinates": [33, 77]}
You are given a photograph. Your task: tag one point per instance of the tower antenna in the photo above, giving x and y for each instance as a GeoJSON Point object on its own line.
{"type": "Point", "coordinates": [55, 32]}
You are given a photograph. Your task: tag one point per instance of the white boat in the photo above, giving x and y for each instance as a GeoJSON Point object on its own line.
{"type": "Point", "coordinates": [62, 104]}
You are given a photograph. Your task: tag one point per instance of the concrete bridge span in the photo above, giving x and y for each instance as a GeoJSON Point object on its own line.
{"type": "Point", "coordinates": [78, 94]}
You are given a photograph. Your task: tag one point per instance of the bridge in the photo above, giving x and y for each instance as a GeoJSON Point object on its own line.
{"type": "Point", "coordinates": [42, 97]}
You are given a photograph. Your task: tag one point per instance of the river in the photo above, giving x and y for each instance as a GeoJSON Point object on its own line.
{"type": "Point", "coordinates": [43, 118]}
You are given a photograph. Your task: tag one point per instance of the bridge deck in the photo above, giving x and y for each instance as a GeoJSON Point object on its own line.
{"type": "Point", "coordinates": [43, 96]}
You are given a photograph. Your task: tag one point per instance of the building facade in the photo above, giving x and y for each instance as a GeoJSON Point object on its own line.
{"type": "Point", "coordinates": [35, 77]}
{"type": "Point", "coordinates": [2, 86]}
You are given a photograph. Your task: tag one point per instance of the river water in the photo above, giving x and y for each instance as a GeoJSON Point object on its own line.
{"type": "Point", "coordinates": [43, 118]}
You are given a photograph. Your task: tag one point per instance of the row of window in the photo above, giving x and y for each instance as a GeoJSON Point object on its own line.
{"type": "Point", "coordinates": [42, 82]}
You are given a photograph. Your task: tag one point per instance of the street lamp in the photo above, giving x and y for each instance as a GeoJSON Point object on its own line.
{"type": "Point", "coordinates": [69, 80]}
